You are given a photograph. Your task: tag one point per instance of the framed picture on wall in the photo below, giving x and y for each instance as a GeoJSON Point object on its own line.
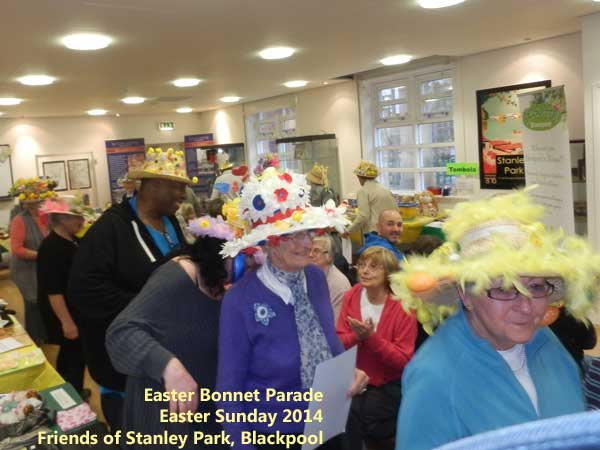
{"type": "Point", "coordinates": [79, 174]}
{"type": "Point", "coordinates": [57, 171]}
{"type": "Point", "coordinates": [500, 127]}
{"type": "Point", "coordinates": [6, 177]}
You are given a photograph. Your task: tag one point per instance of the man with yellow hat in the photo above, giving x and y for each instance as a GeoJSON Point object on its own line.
{"type": "Point", "coordinates": [117, 256]}
{"type": "Point", "coordinates": [372, 198]}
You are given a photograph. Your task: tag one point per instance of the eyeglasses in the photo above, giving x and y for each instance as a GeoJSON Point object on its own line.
{"type": "Point", "coordinates": [368, 265]}
{"type": "Point", "coordinates": [318, 251]}
{"type": "Point", "coordinates": [535, 290]}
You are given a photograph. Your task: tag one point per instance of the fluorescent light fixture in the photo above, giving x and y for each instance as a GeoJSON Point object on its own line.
{"type": "Point", "coordinates": [230, 99]}
{"type": "Point", "coordinates": [97, 112]}
{"type": "Point", "coordinates": [36, 80]}
{"type": "Point", "coordinates": [186, 82]}
{"type": "Point", "coordinates": [184, 110]}
{"type": "Point", "coordinates": [434, 4]}
{"type": "Point", "coordinates": [10, 101]}
{"type": "Point", "coordinates": [276, 52]}
{"type": "Point", "coordinates": [295, 83]}
{"type": "Point", "coordinates": [86, 41]}
{"type": "Point", "coordinates": [1, 113]}
{"type": "Point", "coordinates": [396, 59]}
{"type": "Point", "coordinates": [133, 100]}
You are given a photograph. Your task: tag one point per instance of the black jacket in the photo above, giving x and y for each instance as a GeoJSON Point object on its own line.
{"type": "Point", "coordinates": [115, 258]}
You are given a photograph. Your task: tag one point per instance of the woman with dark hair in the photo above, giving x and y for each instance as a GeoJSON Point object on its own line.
{"type": "Point", "coordinates": [166, 338]}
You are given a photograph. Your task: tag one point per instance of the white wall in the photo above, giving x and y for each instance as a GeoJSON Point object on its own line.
{"type": "Point", "coordinates": [31, 137]}
{"type": "Point", "coordinates": [591, 88]}
{"type": "Point", "coordinates": [327, 109]}
{"type": "Point", "coordinates": [226, 124]}
{"type": "Point", "coordinates": [558, 59]}
{"type": "Point", "coordinates": [334, 109]}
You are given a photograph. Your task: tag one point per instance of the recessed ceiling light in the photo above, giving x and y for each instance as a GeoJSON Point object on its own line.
{"type": "Point", "coordinates": [396, 59]}
{"type": "Point", "coordinates": [97, 112]}
{"type": "Point", "coordinates": [231, 99]}
{"type": "Point", "coordinates": [295, 83]}
{"type": "Point", "coordinates": [433, 4]}
{"type": "Point", "coordinates": [276, 52]}
{"type": "Point", "coordinates": [133, 100]}
{"type": "Point", "coordinates": [184, 110]}
{"type": "Point", "coordinates": [36, 80]}
{"type": "Point", "coordinates": [186, 82]}
{"type": "Point", "coordinates": [325, 83]}
{"type": "Point", "coordinates": [1, 113]}
{"type": "Point", "coordinates": [9, 101]}
{"type": "Point", "coordinates": [86, 41]}
{"type": "Point", "coordinates": [118, 115]}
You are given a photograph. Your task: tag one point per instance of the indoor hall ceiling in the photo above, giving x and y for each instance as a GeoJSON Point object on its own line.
{"type": "Point", "coordinates": [217, 41]}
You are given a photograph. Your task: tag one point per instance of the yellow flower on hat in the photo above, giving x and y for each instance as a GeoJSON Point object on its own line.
{"type": "Point", "coordinates": [204, 224]}
{"type": "Point", "coordinates": [297, 216]}
{"type": "Point", "coordinates": [22, 197]}
{"type": "Point", "coordinates": [195, 180]}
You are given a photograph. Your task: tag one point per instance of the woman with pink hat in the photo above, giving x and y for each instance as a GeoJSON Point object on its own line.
{"type": "Point", "coordinates": [65, 217]}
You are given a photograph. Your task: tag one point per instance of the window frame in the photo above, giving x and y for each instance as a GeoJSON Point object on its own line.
{"type": "Point", "coordinates": [414, 118]}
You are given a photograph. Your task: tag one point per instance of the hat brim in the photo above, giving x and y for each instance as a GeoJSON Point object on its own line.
{"type": "Point", "coordinates": [313, 218]}
{"type": "Point", "coordinates": [364, 175]}
{"type": "Point", "coordinates": [65, 213]}
{"type": "Point", "coordinates": [144, 175]}
{"type": "Point", "coordinates": [313, 179]}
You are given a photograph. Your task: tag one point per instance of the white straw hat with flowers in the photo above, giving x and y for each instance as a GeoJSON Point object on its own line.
{"type": "Point", "coordinates": [168, 165]}
{"type": "Point", "coordinates": [500, 237]}
{"type": "Point", "coordinates": [276, 204]}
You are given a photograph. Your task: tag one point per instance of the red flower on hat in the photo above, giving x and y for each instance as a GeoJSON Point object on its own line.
{"type": "Point", "coordinates": [286, 177]}
{"type": "Point", "coordinates": [281, 194]}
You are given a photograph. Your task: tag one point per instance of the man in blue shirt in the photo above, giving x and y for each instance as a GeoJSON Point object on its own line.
{"type": "Point", "coordinates": [389, 231]}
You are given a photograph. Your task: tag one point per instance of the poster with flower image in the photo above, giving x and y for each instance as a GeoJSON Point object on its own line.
{"type": "Point", "coordinates": [501, 164]}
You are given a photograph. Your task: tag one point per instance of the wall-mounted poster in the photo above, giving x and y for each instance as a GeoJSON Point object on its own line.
{"type": "Point", "coordinates": [6, 178]}
{"type": "Point", "coordinates": [79, 174]}
{"type": "Point", "coordinates": [56, 170]}
{"type": "Point", "coordinates": [500, 127]}
{"type": "Point", "coordinates": [123, 156]}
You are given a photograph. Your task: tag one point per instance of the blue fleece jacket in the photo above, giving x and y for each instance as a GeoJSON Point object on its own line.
{"type": "Point", "coordinates": [373, 238]}
{"type": "Point", "coordinates": [458, 385]}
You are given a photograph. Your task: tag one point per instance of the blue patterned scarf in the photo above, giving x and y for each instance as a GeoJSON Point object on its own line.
{"type": "Point", "coordinates": [314, 347]}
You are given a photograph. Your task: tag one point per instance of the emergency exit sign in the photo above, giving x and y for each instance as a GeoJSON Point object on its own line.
{"type": "Point", "coordinates": [166, 126]}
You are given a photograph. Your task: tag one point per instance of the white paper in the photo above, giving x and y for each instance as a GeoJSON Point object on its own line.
{"type": "Point", "coordinates": [347, 249]}
{"type": "Point", "coordinates": [548, 165]}
{"type": "Point", "coordinates": [8, 344]}
{"type": "Point", "coordinates": [333, 378]}
{"type": "Point", "coordinates": [63, 398]}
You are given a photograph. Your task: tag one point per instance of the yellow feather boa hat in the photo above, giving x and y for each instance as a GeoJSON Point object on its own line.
{"type": "Point", "coordinates": [499, 237]}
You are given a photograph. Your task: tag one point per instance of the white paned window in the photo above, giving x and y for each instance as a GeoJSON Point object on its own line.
{"type": "Point", "coordinates": [263, 128]}
{"type": "Point", "coordinates": [411, 129]}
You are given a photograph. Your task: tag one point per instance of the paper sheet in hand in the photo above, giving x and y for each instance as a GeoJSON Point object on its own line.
{"type": "Point", "coordinates": [333, 378]}
{"type": "Point", "coordinates": [9, 344]}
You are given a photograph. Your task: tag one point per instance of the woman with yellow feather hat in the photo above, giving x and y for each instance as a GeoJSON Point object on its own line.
{"type": "Point", "coordinates": [493, 363]}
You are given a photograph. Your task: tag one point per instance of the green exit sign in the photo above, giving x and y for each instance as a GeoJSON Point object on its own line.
{"type": "Point", "coordinates": [166, 126]}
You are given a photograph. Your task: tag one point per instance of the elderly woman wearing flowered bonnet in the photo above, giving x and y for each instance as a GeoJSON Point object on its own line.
{"type": "Point", "coordinates": [277, 322]}
{"type": "Point", "coordinates": [166, 338]}
{"type": "Point", "coordinates": [493, 362]}
{"type": "Point", "coordinates": [26, 235]}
